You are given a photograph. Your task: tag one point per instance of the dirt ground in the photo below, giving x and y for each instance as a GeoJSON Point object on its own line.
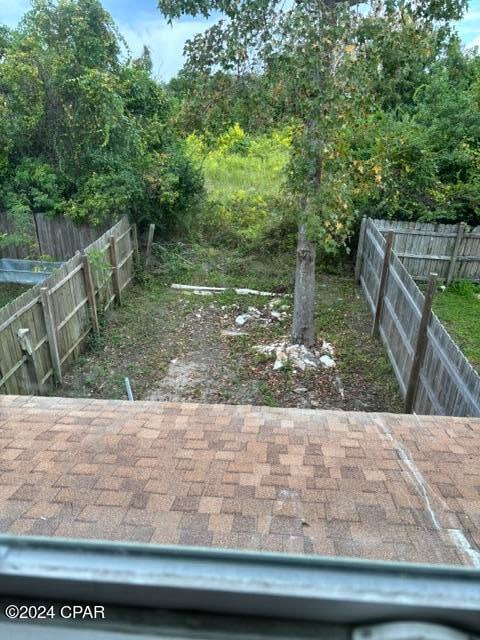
{"type": "Point", "coordinates": [177, 346]}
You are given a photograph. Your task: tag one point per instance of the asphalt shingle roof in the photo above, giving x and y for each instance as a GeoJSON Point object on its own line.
{"type": "Point", "coordinates": [377, 486]}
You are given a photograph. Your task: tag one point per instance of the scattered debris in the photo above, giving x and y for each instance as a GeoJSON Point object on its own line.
{"type": "Point", "coordinates": [328, 348]}
{"type": "Point", "coordinates": [242, 319]}
{"type": "Point", "coordinates": [339, 386]}
{"type": "Point", "coordinates": [128, 389]}
{"type": "Point", "coordinates": [327, 361]}
{"type": "Point", "coordinates": [211, 290]}
{"type": "Point", "coordinates": [297, 355]}
{"type": "Point", "coordinates": [227, 332]}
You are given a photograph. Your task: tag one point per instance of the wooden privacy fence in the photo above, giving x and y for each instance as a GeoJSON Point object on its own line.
{"type": "Point", "coordinates": [45, 328]}
{"type": "Point", "coordinates": [58, 237]}
{"type": "Point", "coordinates": [446, 249]}
{"type": "Point", "coordinates": [433, 374]}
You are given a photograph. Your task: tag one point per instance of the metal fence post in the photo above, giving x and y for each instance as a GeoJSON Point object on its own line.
{"type": "Point", "coordinates": [51, 328]}
{"type": "Point", "coordinates": [383, 282]}
{"type": "Point", "coordinates": [421, 345]}
{"type": "Point", "coordinates": [361, 242]}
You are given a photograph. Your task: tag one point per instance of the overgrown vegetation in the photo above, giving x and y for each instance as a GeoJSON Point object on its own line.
{"type": "Point", "coordinates": [459, 310]}
{"type": "Point", "coordinates": [9, 292]}
{"type": "Point", "coordinates": [244, 176]}
{"type": "Point", "coordinates": [317, 115]}
{"type": "Point", "coordinates": [84, 131]}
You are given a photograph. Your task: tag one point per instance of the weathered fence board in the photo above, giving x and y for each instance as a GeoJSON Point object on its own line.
{"type": "Point", "coordinates": [68, 298]}
{"type": "Point", "coordinates": [58, 237]}
{"type": "Point", "coordinates": [448, 384]}
{"type": "Point", "coordinates": [450, 250]}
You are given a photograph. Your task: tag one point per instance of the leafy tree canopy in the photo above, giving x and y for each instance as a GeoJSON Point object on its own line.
{"type": "Point", "coordinates": [375, 94]}
{"type": "Point", "coordinates": [84, 132]}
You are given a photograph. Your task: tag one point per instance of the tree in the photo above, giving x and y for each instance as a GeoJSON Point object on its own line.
{"type": "Point", "coordinates": [85, 132]}
{"type": "Point", "coordinates": [319, 52]}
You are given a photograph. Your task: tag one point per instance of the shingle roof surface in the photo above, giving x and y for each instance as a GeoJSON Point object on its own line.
{"type": "Point", "coordinates": [377, 486]}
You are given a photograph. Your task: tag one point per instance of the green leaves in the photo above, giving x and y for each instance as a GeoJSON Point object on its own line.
{"type": "Point", "coordinates": [348, 80]}
{"type": "Point", "coordinates": [83, 132]}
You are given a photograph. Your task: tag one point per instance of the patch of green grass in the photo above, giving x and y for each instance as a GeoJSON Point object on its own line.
{"type": "Point", "coordinates": [214, 267]}
{"type": "Point", "coordinates": [458, 308]}
{"type": "Point", "coordinates": [135, 342]}
{"type": "Point", "coordinates": [9, 292]}
{"type": "Point", "coordinates": [343, 319]}
{"type": "Point", "coordinates": [266, 397]}
{"type": "Point", "coordinates": [226, 175]}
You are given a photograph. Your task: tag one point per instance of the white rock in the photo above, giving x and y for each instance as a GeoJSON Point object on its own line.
{"type": "Point", "coordinates": [281, 359]}
{"type": "Point", "coordinates": [242, 319]}
{"type": "Point", "coordinates": [327, 362]}
{"type": "Point", "coordinates": [328, 348]}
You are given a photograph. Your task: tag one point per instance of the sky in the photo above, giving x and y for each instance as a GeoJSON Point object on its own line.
{"type": "Point", "coordinates": [141, 23]}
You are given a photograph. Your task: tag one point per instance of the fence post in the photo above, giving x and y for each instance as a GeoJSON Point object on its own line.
{"type": "Point", "coordinates": [361, 242]}
{"type": "Point", "coordinates": [90, 290]}
{"type": "Point", "coordinates": [383, 282]}
{"type": "Point", "coordinates": [136, 253]}
{"type": "Point", "coordinates": [51, 333]}
{"type": "Point", "coordinates": [31, 362]}
{"type": "Point", "coordinates": [151, 231]}
{"type": "Point", "coordinates": [115, 276]}
{"type": "Point", "coordinates": [421, 345]}
{"type": "Point", "coordinates": [453, 262]}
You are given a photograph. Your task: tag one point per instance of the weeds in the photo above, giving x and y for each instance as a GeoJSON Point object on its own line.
{"type": "Point", "coordinates": [458, 308]}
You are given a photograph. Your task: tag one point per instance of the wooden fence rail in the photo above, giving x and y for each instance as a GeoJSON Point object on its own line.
{"type": "Point", "coordinates": [46, 327]}
{"type": "Point", "coordinates": [446, 249]}
{"type": "Point", "coordinates": [433, 375]}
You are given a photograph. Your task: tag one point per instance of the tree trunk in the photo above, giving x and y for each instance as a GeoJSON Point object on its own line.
{"type": "Point", "coordinates": [303, 330]}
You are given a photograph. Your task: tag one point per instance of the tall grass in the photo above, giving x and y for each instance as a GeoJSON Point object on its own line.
{"type": "Point", "coordinates": [243, 177]}
{"type": "Point", "coordinates": [239, 162]}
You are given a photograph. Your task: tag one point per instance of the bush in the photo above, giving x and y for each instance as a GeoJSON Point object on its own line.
{"type": "Point", "coordinates": [84, 132]}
